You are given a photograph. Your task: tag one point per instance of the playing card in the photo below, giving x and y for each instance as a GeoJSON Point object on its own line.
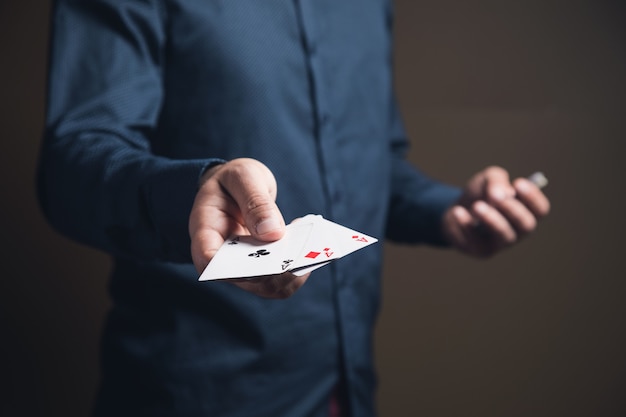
{"type": "Point", "coordinates": [346, 240]}
{"type": "Point", "coordinates": [310, 243]}
{"type": "Point", "coordinates": [244, 256]}
{"type": "Point", "coordinates": [328, 241]}
{"type": "Point", "coordinates": [321, 245]}
{"type": "Point", "coordinates": [306, 269]}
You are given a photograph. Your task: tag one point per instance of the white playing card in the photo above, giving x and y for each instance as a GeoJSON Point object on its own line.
{"type": "Point", "coordinates": [321, 245]}
{"type": "Point", "coordinates": [347, 240]}
{"type": "Point", "coordinates": [305, 270]}
{"type": "Point", "coordinates": [310, 243]}
{"type": "Point", "coordinates": [337, 238]}
{"type": "Point", "coordinates": [245, 257]}
{"type": "Point", "coordinates": [332, 241]}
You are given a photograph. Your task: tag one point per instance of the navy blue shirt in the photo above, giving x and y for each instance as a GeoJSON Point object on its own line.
{"type": "Point", "coordinates": [143, 95]}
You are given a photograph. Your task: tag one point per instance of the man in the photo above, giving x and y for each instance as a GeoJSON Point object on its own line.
{"type": "Point", "coordinates": [173, 124]}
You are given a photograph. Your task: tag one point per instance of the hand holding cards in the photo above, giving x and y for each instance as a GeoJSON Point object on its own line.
{"type": "Point", "coordinates": [308, 244]}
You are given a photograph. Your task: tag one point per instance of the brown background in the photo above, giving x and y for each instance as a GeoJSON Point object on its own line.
{"type": "Point", "coordinates": [539, 330]}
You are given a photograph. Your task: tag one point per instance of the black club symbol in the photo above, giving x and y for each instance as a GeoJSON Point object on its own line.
{"type": "Point", "coordinates": [259, 253]}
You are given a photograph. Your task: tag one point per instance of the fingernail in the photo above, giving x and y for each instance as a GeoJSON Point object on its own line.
{"type": "Point", "coordinates": [458, 212]}
{"type": "Point", "coordinates": [481, 207]}
{"type": "Point", "coordinates": [268, 225]}
{"type": "Point", "coordinates": [522, 186]}
{"type": "Point", "coordinates": [498, 194]}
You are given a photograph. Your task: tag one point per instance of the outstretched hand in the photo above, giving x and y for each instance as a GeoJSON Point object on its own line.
{"type": "Point", "coordinates": [238, 197]}
{"type": "Point", "coordinates": [494, 213]}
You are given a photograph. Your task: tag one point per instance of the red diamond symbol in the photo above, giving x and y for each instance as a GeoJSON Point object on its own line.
{"type": "Point", "coordinates": [312, 255]}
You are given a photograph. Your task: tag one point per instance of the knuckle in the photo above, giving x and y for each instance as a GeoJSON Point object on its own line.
{"type": "Point", "coordinates": [495, 170]}
{"type": "Point", "coordinates": [523, 185]}
{"type": "Point", "coordinates": [258, 208]}
{"type": "Point", "coordinates": [258, 202]}
{"type": "Point", "coordinates": [232, 172]}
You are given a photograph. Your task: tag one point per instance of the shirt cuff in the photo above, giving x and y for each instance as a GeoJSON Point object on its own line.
{"type": "Point", "coordinates": [170, 197]}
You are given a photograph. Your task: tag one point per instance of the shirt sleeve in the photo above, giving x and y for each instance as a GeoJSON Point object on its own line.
{"type": "Point", "coordinates": [417, 201]}
{"type": "Point", "coordinates": [99, 181]}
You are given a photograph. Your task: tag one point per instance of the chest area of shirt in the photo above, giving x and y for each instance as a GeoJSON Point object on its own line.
{"type": "Point", "coordinates": [256, 36]}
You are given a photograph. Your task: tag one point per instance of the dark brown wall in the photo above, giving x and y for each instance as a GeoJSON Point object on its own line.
{"type": "Point", "coordinates": [539, 330]}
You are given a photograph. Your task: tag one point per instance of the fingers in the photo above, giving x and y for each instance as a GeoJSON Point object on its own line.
{"type": "Point", "coordinates": [238, 197]}
{"type": "Point", "coordinates": [463, 232]}
{"type": "Point", "coordinates": [494, 225]}
{"type": "Point", "coordinates": [497, 184]}
{"type": "Point", "coordinates": [509, 217]}
{"type": "Point", "coordinates": [493, 213]}
{"type": "Point", "coordinates": [274, 286]}
{"type": "Point", "coordinates": [480, 231]}
{"type": "Point", "coordinates": [512, 209]}
{"type": "Point", "coordinates": [532, 197]}
{"type": "Point", "coordinates": [234, 198]}
{"type": "Point", "coordinates": [492, 183]}
{"type": "Point", "coordinates": [253, 188]}
{"type": "Point", "coordinates": [207, 237]}
{"type": "Point", "coordinates": [458, 224]}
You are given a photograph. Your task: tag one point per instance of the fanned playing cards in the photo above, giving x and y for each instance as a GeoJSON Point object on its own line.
{"type": "Point", "coordinates": [310, 243]}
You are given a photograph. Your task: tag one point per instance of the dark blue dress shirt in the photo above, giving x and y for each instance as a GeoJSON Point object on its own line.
{"type": "Point", "coordinates": [143, 95]}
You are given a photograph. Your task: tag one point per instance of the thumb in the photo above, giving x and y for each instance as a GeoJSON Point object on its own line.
{"type": "Point", "coordinates": [253, 187]}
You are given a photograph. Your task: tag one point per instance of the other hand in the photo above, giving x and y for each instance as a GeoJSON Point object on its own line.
{"type": "Point", "coordinates": [494, 213]}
